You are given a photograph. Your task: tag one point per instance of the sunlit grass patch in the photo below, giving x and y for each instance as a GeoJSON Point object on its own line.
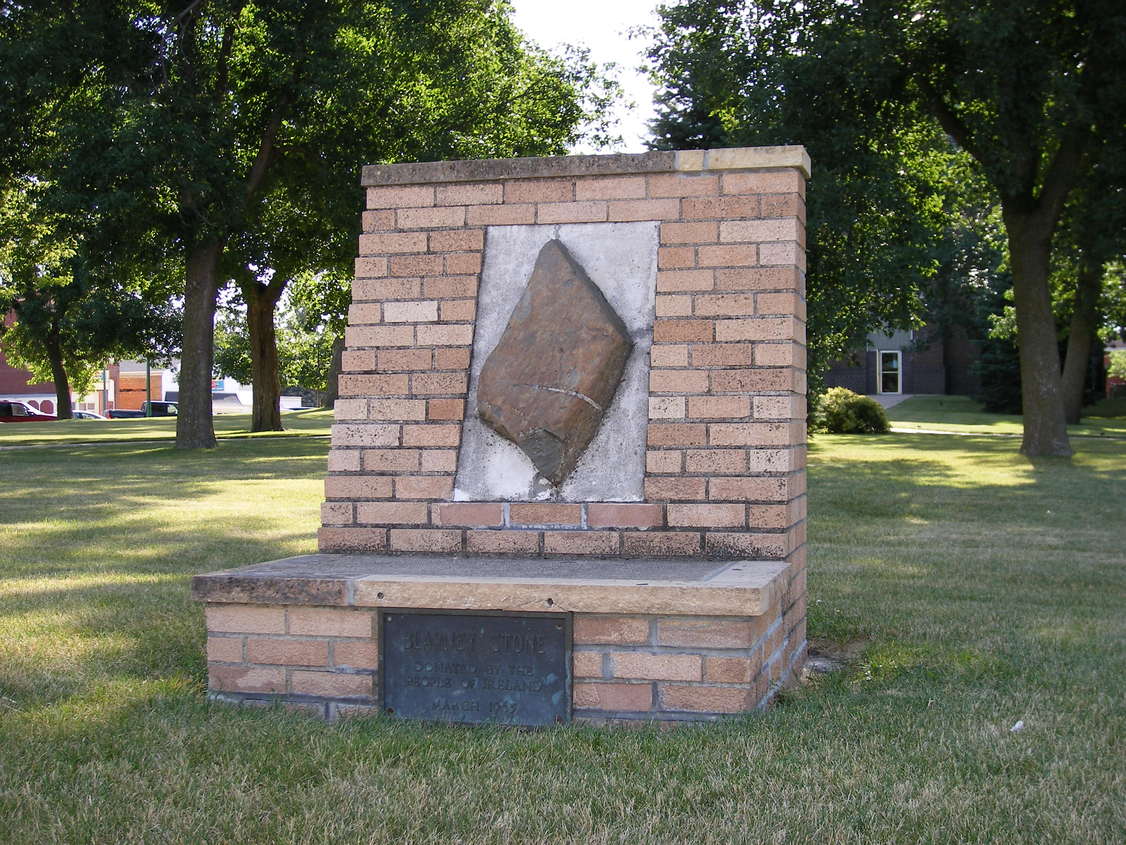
{"type": "Point", "coordinates": [1106, 418]}
{"type": "Point", "coordinates": [310, 421]}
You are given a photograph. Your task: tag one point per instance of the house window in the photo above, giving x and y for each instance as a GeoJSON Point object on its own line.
{"type": "Point", "coordinates": [891, 372]}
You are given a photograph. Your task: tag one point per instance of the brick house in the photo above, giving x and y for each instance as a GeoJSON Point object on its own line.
{"type": "Point", "coordinates": [16, 384]}
{"type": "Point", "coordinates": [122, 386]}
{"type": "Point", "coordinates": [910, 361]}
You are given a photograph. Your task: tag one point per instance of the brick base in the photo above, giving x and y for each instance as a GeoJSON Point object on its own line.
{"type": "Point", "coordinates": [626, 667]}
{"type": "Point", "coordinates": [659, 668]}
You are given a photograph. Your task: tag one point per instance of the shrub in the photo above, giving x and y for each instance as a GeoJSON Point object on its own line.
{"type": "Point", "coordinates": [845, 412]}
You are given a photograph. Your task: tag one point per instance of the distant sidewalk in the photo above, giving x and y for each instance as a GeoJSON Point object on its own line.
{"type": "Point", "coordinates": [889, 400]}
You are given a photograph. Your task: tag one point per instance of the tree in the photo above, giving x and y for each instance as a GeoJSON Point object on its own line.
{"type": "Point", "coordinates": [1092, 237]}
{"type": "Point", "coordinates": [1033, 92]}
{"type": "Point", "coordinates": [1086, 296]}
{"type": "Point", "coordinates": [493, 96]}
{"type": "Point", "coordinates": [309, 329]}
{"type": "Point", "coordinates": [194, 118]}
{"type": "Point", "coordinates": [67, 319]}
{"type": "Point", "coordinates": [304, 351]}
{"type": "Point", "coordinates": [36, 286]}
{"type": "Point", "coordinates": [1030, 94]}
{"type": "Point", "coordinates": [320, 309]}
{"type": "Point", "coordinates": [891, 215]}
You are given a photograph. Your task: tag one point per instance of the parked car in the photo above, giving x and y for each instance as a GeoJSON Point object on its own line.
{"type": "Point", "coordinates": [11, 411]}
{"type": "Point", "coordinates": [88, 415]}
{"type": "Point", "coordinates": [159, 409]}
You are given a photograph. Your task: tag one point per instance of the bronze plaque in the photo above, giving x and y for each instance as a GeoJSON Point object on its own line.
{"type": "Point", "coordinates": [507, 669]}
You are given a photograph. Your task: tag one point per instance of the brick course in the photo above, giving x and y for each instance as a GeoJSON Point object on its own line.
{"type": "Point", "coordinates": [632, 667]}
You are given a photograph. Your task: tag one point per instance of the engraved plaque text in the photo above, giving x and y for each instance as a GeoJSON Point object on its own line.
{"type": "Point", "coordinates": [476, 668]}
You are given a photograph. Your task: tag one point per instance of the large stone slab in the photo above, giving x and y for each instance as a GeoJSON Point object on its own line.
{"type": "Point", "coordinates": [621, 259]}
{"type": "Point", "coordinates": [548, 382]}
{"type": "Point", "coordinates": [681, 588]}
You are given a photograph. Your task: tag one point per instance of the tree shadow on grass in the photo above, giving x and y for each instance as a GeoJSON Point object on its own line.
{"type": "Point", "coordinates": [903, 544]}
{"type": "Point", "coordinates": [135, 509]}
{"type": "Point", "coordinates": [102, 542]}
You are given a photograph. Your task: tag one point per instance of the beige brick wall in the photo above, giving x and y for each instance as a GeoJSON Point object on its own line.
{"type": "Point", "coordinates": [292, 653]}
{"type": "Point", "coordinates": [637, 667]}
{"type": "Point", "coordinates": [725, 461]}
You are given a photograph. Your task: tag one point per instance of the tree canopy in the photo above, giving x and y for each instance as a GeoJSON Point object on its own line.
{"type": "Point", "coordinates": [182, 131]}
{"type": "Point", "coordinates": [69, 315]}
{"type": "Point", "coordinates": [894, 210]}
{"type": "Point", "coordinates": [1032, 93]}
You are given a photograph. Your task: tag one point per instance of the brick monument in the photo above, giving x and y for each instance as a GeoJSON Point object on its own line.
{"type": "Point", "coordinates": [573, 395]}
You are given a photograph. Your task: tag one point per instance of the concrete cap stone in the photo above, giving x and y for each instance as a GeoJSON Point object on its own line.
{"type": "Point", "coordinates": [658, 161]}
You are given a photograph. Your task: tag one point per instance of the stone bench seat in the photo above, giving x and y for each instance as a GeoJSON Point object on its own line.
{"type": "Point", "coordinates": [653, 640]}
{"type": "Point", "coordinates": [671, 588]}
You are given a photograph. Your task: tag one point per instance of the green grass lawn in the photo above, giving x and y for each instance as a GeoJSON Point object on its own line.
{"type": "Point", "coordinates": [1107, 418]}
{"type": "Point", "coordinates": [306, 421]}
{"type": "Point", "coordinates": [972, 587]}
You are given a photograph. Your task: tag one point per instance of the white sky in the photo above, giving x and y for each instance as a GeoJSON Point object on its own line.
{"type": "Point", "coordinates": [600, 25]}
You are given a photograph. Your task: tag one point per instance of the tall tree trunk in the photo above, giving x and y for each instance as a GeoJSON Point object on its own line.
{"type": "Point", "coordinates": [194, 428]}
{"type": "Point", "coordinates": [1045, 430]}
{"type": "Point", "coordinates": [333, 391]}
{"type": "Point", "coordinates": [64, 410]}
{"type": "Point", "coordinates": [261, 302]}
{"type": "Point", "coordinates": [1081, 337]}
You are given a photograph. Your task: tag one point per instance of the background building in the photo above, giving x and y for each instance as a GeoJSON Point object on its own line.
{"type": "Point", "coordinates": [910, 361]}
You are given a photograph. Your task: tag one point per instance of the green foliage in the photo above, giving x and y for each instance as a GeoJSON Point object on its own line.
{"type": "Point", "coordinates": [998, 366]}
{"type": "Point", "coordinates": [840, 411]}
{"type": "Point", "coordinates": [307, 358]}
{"type": "Point", "coordinates": [1032, 95]}
{"type": "Point", "coordinates": [1067, 259]}
{"type": "Point", "coordinates": [1116, 368]}
{"type": "Point", "coordinates": [972, 269]}
{"type": "Point", "coordinates": [65, 315]}
{"type": "Point", "coordinates": [304, 345]}
{"type": "Point", "coordinates": [1113, 303]}
{"type": "Point", "coordinates": [898, 223]}
{"type": "Point", "coordinates": [311, 318]}
{"type": "Point", "coordinates": [23, 348]}
{"type": "Point", "coordinates": [320, 303]}
{"type": "Point", "coordinates": [998, 370]}
{"type": "Point", "coordinates": [225, 138]}
{"type": "Point", "coordinates": [232, 347]}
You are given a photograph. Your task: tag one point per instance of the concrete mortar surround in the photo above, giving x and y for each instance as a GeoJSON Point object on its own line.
{"type": "Point", "coordinates": [701, 462]}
